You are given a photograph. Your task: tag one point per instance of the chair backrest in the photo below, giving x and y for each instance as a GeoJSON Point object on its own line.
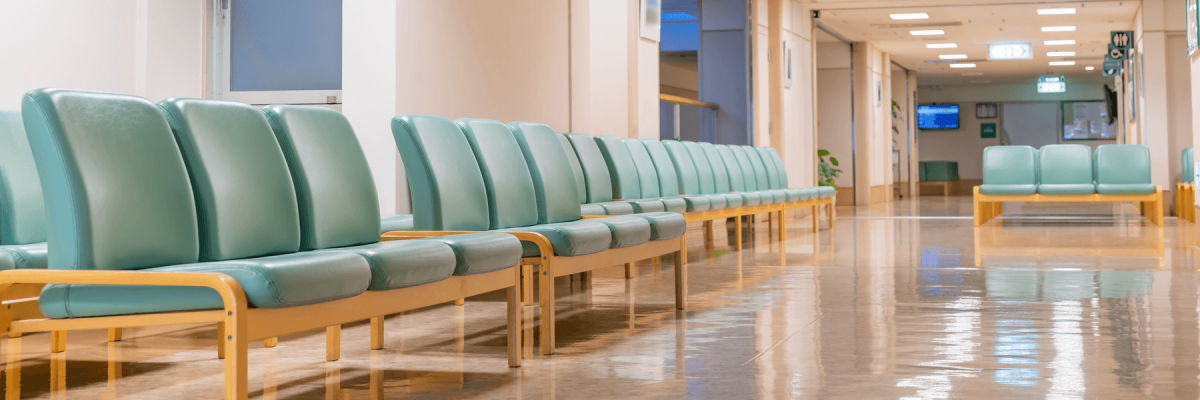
{"type": "Point", "coordinates": [1009, 165]}
{"type": "Point", "coordinates": [1122, 164]}
{"type": "Point", "coordinates": [334, 186]}
{"type": "Point", "coordinates": [685, 167]}
{"type": "Point", "coordinates": [444, 177]}
{"type": "Point", "coordinates": [245, 202]}
{"type": "Point", "coordinates": [1065, 164]}
{"type": "Point", "coordinates": [595, 170]}
{"type": "Point", "coordinates": [704, 170]}
{"type": "Point", "coordinates": [647, 175]}
{"type": "Point", "coordinates": [749, 178]}
{"type": "Point", "coordinates": [737, 179]}
{"type": "Point", "coordinates": [625, 180]}
{"type": "Point", "coordinates": [1189, 165]}
{"type": "Point", "coordinates": [717, 164]}
{"type": "Point", "coordinates": [668, 179]}
{"type": "Point", "coordinates": [756, 166]}
{"type": "Point", "coordinates": [771, 156]}
{"type": "Point", "coordinates": [505, 173]}
{"type": "Point", "coordinates": [22, 210]}
{"type": "Point", "coordinates": [573, 159]}
{"type": "Point", "coordinates": [116, 188]}
{"type": "Point", "coordinates": [550, 172]}
{"type": "Point", "coordinates": [757, 156]}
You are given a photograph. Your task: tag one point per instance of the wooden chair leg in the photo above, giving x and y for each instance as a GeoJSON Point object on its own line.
{"type": "Point", "coordinates": [737, 233]}
{"type": "Point", "coordinates": [628, 270]}
{"type": "Point", "coordinates": [681, 277]}
{"type": "Point", "coordinates": [377, 331]}
{"type": "Point", "coordinates": [58, 341]}
{"type": "Point", "coordinates": [333, 343]}
{"type": "Point", "coordinates": [546, 292]}
{"type": "Point", "coordinates": [514, 327]}
{"type": "Point", "coordinates": [236, 355]}
{"type": "Point", "coordinates": [221, 340]}
{"type": "Point", "coordinates": [115, 334]}
{"type": "Point", "coordinates": [270, 342]}
{"type": "Point", "coordinates": [459, 302]}
{"type": "Point", "coordinates": [527, 284]}
{"type": "Point", "coordinates": [782, 228]}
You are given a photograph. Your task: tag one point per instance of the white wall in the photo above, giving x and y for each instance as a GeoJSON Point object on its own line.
{"type": "Point", "coordinates": [833, 110]}
{"type": "Point", "coordinates": [369, 94]}
{"type": "Point", "coordinates": [151, 48]}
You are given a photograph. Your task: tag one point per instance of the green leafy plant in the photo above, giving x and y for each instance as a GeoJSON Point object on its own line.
{"type": "Point", "coordinates": [826, 170]}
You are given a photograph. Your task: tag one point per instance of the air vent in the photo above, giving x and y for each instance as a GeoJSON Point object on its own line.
{"type": "Point", "coordinates": [917, 25]}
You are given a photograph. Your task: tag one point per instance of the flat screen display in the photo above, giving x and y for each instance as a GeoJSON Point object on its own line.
{"type": "Point", "coordinates": [937, 117]}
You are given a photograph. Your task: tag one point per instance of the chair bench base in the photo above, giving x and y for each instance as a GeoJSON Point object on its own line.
{"type": "Point", "coordinates": [990, 206]}
{"type": "Point", "coordinates": [778, 209]}
{"type": "Point", "coordinates": [1185, 198]}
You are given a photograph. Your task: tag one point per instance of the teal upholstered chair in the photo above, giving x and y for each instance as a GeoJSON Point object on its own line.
{"type": "Point", "coordinates": [22, 212]}
{"type": "Point", "coordinates": [775, 168]}
{"type": "Point", "coordinates": [1123, 169]}
{"type": "Point", "coordinates": [580, 181]}
{"type": "Point", "coordinates": [1189, 165]}
{"type": "Point", "coordinates": [691, 182]}
{"type": "Point", "coordinates": [648, 179]}
{"type": "Point", "coordinates": [1009, 170]}
{"type": "Point", "coordinates": [1065, 169]}
{"type": "Point", "coordinates": [941, 171]}
{"type": "Point", "coordinates": [749, 176]}
{"type": "Point", "coordinates": [118, 196]}
{"type": "Point", "coordinates": [924, 175]}
{"type": "Point", "coordinates": [671, 183]}
{"type": "Point", "coordinates": [339, 206]}
{"type": "Point", "coordinates": [760, 173]}
{"type": "Point", "coordinates": [623, 181]}
{"type": "Point", "coordinates": [737, 178]}
{"type": "Point", "coordinates": [711, 183]}
{"type": "Point", "coordinates": [400, 222]}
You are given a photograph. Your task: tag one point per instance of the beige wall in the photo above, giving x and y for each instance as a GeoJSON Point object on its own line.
{"type": "Point", "coordinates": [784, 115]}
{"type": "Point", "coordinates": [872, 122]}
{"type": "Point", "coordinates": [834, 123]}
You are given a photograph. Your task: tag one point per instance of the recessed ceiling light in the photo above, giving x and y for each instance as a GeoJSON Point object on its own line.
{"type": "Point", "coordinates": [962, 65]}
{"type": "Point", "coordinates": [927, 32]}
{"type": "Point", "coordinates": [1058, 42]}
{"type": "Point", "coordinates": [941, 46]}
{"type": "Point", "coordinates": [1060, 54]}
{"type": "Point", "coordinates": [1090, 68]}
{"type": "Point", "coordinates": [952, 56]}
{"type": "Point", "coordinates": [1062, 63]}
{"type": "Point", "coordinates": [1058, 29]}
{"type": "Point", "coordinates": [1055, 11]}
{"type": "Point", "coordinates": [911, 16]}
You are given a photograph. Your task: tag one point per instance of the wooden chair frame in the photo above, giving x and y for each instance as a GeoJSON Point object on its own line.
{"type": "Point", "coordinates": [1185, 200]}
{"type": "Point", "coordinates": [239, 324]}
{"type": "Point", "coordinates": [551, 266]}
{"type": "Point", "coordinates": [990, 206]}
{"type": "Point", "coordinates": [777, 210]}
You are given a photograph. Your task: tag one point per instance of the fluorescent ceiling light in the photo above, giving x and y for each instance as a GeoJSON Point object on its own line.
{"type": "Point", "coordinates": [1060, 54]}
{"type": "Point", "coordinates": [952, 56]}
{"type": "Point", "coordinates": [1055, 11]}
{"type": "Point", "coordinates": [927, 32]}
{"type": "Point", "coordinates": [1058, 29]}
{"type": "Point", "coordinates": [1058, 42]}
{"type": "Point", "coordinates": [1062, 63]}
{"type": "Point", "coordinates": [962, 65]}
{"type": "Point", "coordinates": [1090, 68]}
{"type": "Point", "coordinates": [910, 16]}
{"type": "Point", "coordinates": [677, 17]}
{"type": "Point", "coordinates": [941, 46]}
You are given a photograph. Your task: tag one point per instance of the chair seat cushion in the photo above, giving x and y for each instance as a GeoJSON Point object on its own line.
{"type": "Point", "coordinates": [616, 207]}
{"type": "Point", "coordinates": [796, 194]}
{"type": "Point", "coordinates": [826, 191]}
{"type": "Point", "coordinates": [23, 256]}
{"type": "Point", "coordinates": [391, 223]}
{"type": "Point", "coordinates": [574, 238]}
{"type": "Point", "coordinates": [647, 205]}
{"type": "Point", "coordinates": [697, 203]}
{"type": "Point", "coordinates": [780, 196]}
{"type": "Point", "coordinates": [733, 200]}
{"type": "Point", "coordinates": [1066, 189]}
{"type": "Point", "coordinates": [591, 209]}
{"type": "Point", "coordinates": [664, 225]}
{"type": "Point", "coordinates": [627, 230]}
{"type": "Point", "coordinates": [716, 201]}
{"type": "Point", "coordinates": [287, 280]}
{"type": "Point", "coordinates": [674, 204]}
{"type": "Point", "coordinates": [1125, 188]}
{"type": "Point", "coordinates": [476, 253]}
{"type": "Point", "coordinates": [750, 199]}
{"type": "Point", "coordinates": [403, 263]}
{"type": "Point", "coordinates": [1008, 190]}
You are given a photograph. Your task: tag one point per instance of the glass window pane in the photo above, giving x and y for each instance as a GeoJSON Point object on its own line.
{"type": "Point", "coordinates": [285, 45]}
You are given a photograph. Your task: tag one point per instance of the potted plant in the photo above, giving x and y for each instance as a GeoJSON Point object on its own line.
{"type": "Point", "coordinates": [825, 169]}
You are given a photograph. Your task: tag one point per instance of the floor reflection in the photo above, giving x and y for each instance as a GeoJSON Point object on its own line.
{"type": "Point", "coordinates": [899, 300]}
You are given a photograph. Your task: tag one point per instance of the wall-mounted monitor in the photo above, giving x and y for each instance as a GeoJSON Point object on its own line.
{"type": "Point", "coordinates": [942, 116]}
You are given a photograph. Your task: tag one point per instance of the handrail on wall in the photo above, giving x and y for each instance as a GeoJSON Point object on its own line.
{"type": "Point", "coordinates": [685, 100]}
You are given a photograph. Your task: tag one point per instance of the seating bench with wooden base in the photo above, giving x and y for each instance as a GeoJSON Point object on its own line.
{"type": "Point", "coordinates": [775, 211]}
{"type": "Point", "coordinates": [1185, 200]}
{"type": "Point", "coordinates": [990, 206]}
{"type": "Point", "coordinates": [948, 187]}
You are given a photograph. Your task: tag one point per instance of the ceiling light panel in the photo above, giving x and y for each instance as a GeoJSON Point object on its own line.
{"type": "Point", "coordinates": [1055, 11]}
{"type": "Point", "coordinates": [952, 56]}
{"type": "Point", "coordinates": [941, 46]}
{"type": "Point", "coordinates": [927, 32]}
{"type": "Point", "coordinates": [1090, 68]}
{"type": "Point", "coordinates": [1062, 63]}
{"type": "Point", "coordinates": [1059, 42]}
{"type": "Point", "coordinates": [1060, 54]}
{"type": "Point", "coordinates": [1058, 28]}
{"type": "Point", "coordinates": [910, 16]}
{"type": "Point", "coordinates": [962, 65]}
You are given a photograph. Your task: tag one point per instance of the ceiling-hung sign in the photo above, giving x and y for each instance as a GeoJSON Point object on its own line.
{"type": "Point", "coordinates": [1114, 61]}
{"type": "Point", "coordinates": [1121, 39]}
{"type": "Point", "coordinates": [1010, 51]}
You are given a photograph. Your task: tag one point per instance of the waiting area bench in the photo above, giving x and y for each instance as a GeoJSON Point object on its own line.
{"type": "Point", "coordinates": [1185, 189]}
{"type": "Point", "coordinates": [1066, 173]}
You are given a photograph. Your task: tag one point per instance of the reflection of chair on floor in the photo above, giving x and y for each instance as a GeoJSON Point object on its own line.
{"type": "Point", "coordinates": [1050, 246]}
{"type": "Point", "coordinates": [1185, 190]}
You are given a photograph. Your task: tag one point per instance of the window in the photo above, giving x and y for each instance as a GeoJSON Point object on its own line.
{"type": "Point", "coordinates": [278, 51]}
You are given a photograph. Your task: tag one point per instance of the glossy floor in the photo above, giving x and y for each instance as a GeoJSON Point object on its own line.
{"type": "Point", "coordinates": [898, 300]}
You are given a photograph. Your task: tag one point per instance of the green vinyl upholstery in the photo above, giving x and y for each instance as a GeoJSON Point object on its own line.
{"type": "Point", "coordinates": [669, 180]}
{"type": "Point", "coordinates": [580, 181]}
{"type": "Point", "coordinates": [400, 222]}
{"type": "Point", "coordinates": [23, 256]}
{"type": "Point", "coordinates": [596, 174]}
{"type": "Point", "coordinates": [1008, 170]}
{"type": "Point", "coordinates": [774, 162]}
{"type": "Point", "coordinates": [924, 175]}
{"type": "Point", "coordinates": [761, 175]}
{"type": "Point", "coordinates": [395, 264]}
{"type": "Point", "coordinates": [625, 176]}
{"type": "Point", "coordinates": [22, 211]}
{"type": "Point", "coordinates": [1189, 165]}
{"type": "Point", "coordinates": [701, 153]}
{"type": "Point", "coordinates": [737, 179]}
{"type": "Point", "coordinates": [769, 166]}
{"type": "Point", "coordinates": [648, 177]}
{"type": "Point", "coordinates": [940, 171]}
{"type": "Point", "coordinates": [119, 198]}
{"type": "Point", "coordinates": [1065, 169]}
{"type": "Point", "coordinates": [690, 180]}
{"type": "Point", "coordinates": [1123, 169]}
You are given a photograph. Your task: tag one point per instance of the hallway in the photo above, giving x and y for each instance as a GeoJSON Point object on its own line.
{"type": "Point", "coordinates": [911, 302]}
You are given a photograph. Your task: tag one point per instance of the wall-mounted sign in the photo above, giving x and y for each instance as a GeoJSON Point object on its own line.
{"type": "Point", "coordinates": [987, 131]}
{"type": "Point", "coordinates": [1121, 39]}
{"type": "Point", "coordinates": [1052, 87]}
{"type": "Point", "coordinates": [1010, 51]}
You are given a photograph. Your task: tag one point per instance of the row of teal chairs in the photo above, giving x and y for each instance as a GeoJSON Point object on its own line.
{"type": "Point", "coordinates": [1066, 169]}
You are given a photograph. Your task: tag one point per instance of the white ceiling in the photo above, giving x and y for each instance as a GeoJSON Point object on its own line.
{"type": "Point", "coordinates": [974, 26]}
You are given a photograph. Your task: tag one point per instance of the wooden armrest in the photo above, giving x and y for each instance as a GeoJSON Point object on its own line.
{"type": "Point", "coordinates": [232, 295]}
{"type": "Point", "coordinates": [542, 243]}
{"type": "Point", "coordinates": [592, 216]}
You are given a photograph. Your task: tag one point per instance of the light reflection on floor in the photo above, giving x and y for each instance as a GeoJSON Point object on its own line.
{"type": "Point", "coordinates": [885, 305]}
